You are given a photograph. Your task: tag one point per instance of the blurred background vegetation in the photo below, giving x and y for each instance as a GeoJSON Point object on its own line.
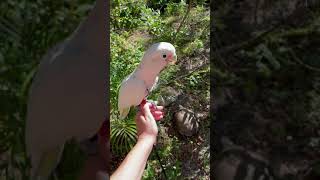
{"type": "Point", "coordinates": [266, 81]}
{"type": "Point", "coordinates": [27, 31]}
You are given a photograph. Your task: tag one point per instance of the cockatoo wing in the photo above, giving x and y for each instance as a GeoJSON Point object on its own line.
{"type": "Point", "coordinates": [43, 160]}
{"type": "Point", "coordinates": [155, 84]}
{"type": "Point", "coordinates": [131, 93]}
{"type": "Point", "coordinates": [67, 96]}
{"type": "Point", "coordinates": [66, 100]}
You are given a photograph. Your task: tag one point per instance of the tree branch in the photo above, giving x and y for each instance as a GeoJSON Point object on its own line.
{"type": "Point", "coordinates": [183, 20]}
{"type": "Point", "coordinates": [295, 58]}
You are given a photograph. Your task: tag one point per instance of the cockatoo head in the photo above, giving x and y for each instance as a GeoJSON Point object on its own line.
{"type": "Point", "coordinates": [159, 55]}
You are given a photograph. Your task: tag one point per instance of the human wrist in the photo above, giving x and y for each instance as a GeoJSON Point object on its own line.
{"type": "Point", "coordinates": [147, 139]}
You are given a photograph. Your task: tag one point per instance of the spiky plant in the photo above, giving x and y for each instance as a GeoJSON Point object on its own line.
{"type": "Point", "coordinates": [123, 136]}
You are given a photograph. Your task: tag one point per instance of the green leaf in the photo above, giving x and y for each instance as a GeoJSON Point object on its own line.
{"type": "Point", "coordinates": [269, 56]}
{"type": "Point", "coordinates": [262, 68]}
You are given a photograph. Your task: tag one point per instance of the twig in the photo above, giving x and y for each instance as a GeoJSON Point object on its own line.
{"type": "Point", "coordinates": [183, 20]}
{"type": "Point", "coordinates": [159, 159]}
{"type": "Point", "coordinates": [215, 44]}
{"type": "Point", "coordinates": [246, 44]}
{"type": "Point", "coordinates": [7, 28]}
{"type": "Point", "coordinates": [295, 58]}
{"type": "Point", "coordinates": [186, 75]}
{"type": "Point", "coordinates": [255, 40]}
{"type": "Point", "coordinates": [298, 32]}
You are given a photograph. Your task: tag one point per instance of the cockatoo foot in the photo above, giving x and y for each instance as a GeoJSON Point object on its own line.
{"type": "Point", "coordinates": [153, 104]}
{"type": "Point", "coordinates": [144, 101]}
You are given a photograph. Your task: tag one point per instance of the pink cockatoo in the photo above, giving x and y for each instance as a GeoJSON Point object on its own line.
{"type": "Point", "coordinates": [136, 87]}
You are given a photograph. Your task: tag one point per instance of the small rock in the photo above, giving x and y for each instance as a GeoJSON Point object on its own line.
{"type": "Point", "coordinates": [202, 115]}
{"type": "Point", "coordinates": [186, 122]}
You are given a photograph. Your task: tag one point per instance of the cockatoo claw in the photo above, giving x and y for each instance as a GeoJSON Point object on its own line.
{"type": "Point", "coordinates": [154, 105]}
{"type": "Point", "coordinates": [144, 101]}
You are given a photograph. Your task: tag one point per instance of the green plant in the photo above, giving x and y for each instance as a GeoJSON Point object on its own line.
{"type": "Point", "coordinates": [174, 9]}
{"type": "Point", "coordinates": [174, 172]}
{"type": "Point", "coordinates": [193, 47]}
{"type": "Point", "coordinates": [123, 136]}
{"type": "Point", "coordinates": [149, 172]}
{"type": "Point", "coordinates": [130, 15]}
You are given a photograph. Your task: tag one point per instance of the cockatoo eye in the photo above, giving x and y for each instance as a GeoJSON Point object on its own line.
{"type": "Point", "coordinates": [164, 55]}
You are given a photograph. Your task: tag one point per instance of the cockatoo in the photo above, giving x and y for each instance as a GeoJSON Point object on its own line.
{"type": "Point", "coordinates": [142, 81]}
{"type": "Point", "coordinates": [67, 96]}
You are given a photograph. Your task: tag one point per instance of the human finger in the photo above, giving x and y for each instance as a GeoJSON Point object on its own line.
{"type": "Point", "coordinates": [158, 118]}
{"type": "Point", "coordinates": [157, 113]}
{"type": "Point", "coordinates": [140, 117]}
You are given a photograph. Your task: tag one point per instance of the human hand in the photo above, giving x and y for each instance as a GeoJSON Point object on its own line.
{"type": "Point", "coordinates": [146, 124]}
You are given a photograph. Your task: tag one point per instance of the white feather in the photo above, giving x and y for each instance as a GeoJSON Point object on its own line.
{"type": "Point", "coordinates": [144, 79]}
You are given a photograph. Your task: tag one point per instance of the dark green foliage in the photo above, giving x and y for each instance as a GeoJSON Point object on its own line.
{"type": "Point", "coordinates": [72, 161]}
{"type": "Point", "coordinates": [123, 135]}
{"type": "Point", "coordinates": [27, 31]}
{"type": "Point", "coordinates": [129, 15]}
{"type": "Point", "coordinates": [271, 71]}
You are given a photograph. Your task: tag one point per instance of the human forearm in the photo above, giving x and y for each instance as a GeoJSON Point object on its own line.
{"type": "Point", "coordinates": [133, 165]}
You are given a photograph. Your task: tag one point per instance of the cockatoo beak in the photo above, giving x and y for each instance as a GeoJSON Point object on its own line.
{"type": "Point", "coordinates": [172, 59]}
